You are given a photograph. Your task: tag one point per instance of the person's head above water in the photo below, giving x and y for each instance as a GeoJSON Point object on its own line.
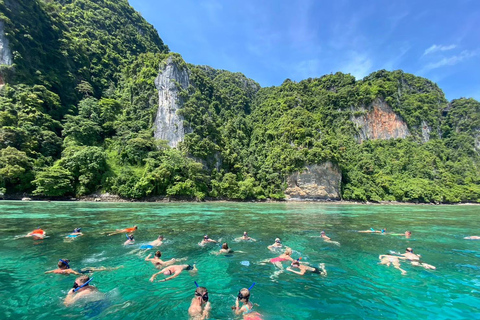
{"type": "Point", "coordinates": [277, 240]}
{"type": "Point", "coordinates": [244, 295]}
{"type": "Point", "coordinates": [160, 237]}
{"type": "Point", "coordinates": [158, 254]}
{"type": "Point", "coordinates": [288, 251]}
{"type": "Point", "coordinates": [409, 250]}
{"type": "Point", "coordinates": [202, 293]}
{"type": "Point", "coordinates": [81, 282]}
{"type": "Point", "coordinates": [245, 233]}
{"type": "Point", "coordinates": [323, 232]}
{"type": "Point", "coordinates": [205, 237]}
{"type": "Point", "coordinates": [63, 264]}
{"type": "Point", "coordinates": [295, 264]}
{"type": "Point", "coordinates": [225, 246]}
{"type": "Point", "coordinates": [408, 233]}
{"type": "Point", "coordinates": [76, 230]}
{"type": "Point", "coordinates": [131, 237]}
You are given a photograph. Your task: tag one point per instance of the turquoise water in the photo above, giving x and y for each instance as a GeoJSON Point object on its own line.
{"type": "Point", "coordinates": [356, 286]}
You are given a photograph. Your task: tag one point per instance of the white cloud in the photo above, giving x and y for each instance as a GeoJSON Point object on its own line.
{"type": "Point", "coordinates": [434, 48]}
{"type": "Point", "coordinates": [358, 66]}
{"type": "Point", "coordinates": [451, 61]}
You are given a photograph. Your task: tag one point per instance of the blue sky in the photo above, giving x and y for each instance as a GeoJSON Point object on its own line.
{"type": "Point", "coordinates": [272, 40]}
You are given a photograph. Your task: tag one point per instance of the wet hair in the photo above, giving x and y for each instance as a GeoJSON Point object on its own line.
{"type": "Point", "coordinates": [225, 246]}
{"type": "Point", "coordinates": [288, 251]}
{"type": "Point", "coordinates": [62, 265]}
{"type": "Point", "coordinates": [82, 279]}
{"type": "Point", "coordinates": [278, 240]}
{"type": "Point", "coordinates": [135, 227]}
{"type": "Point", "coordinates": [244, 294]}
{"type": "Point", "coordinates": [408, 232]}
{"type": "Point", "coordinates": [158, 254]}
{"type": "Point", "coordinates": [244, 233]}
{"type": "Point", "coordinates": [160, 237]}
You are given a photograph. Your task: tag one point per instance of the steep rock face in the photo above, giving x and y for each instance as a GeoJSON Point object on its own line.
{"type": "Point", "coordinates": [316, 182]}
{"type": "Point", "coordinates": [5, 53]}
{"type": "Point", "coordinates": [168, 125]}
{"type": "Point", "coordinates": [426, 129]}
{"type": "Point", "coordinates": [380, 122]}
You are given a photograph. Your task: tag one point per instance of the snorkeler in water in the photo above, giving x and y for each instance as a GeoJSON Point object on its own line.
{"type": "Point", "coordinates": [173, 271]}
{"type": "Point", "coordinates": [36, 234]}
{"type": "Point", "coordinates": [126, 230]}
{"type": "Point", "coordinates": [76, 233]}
{"type": "Point", "coordinates": [225, 250]}
{"type": "Point", "coordinates": [246, 310]}
{"type": "Point", "coordinates": [388, 260]}
{"type": "Point", "coordinates": [415, 259]}
{"type": "Point", "coordinates": [303, 268]}
{"type": "Point", "coordinates": [130, 240]}
{"type": "Point", "coordinates": [277, 244]}
{"type": "Point", "coordinates": [245, 237]}
{"type": "Point", "coordinates": [206, 239]}
{"type": "Point", "coordinates": [159, 262]}
{"type": "Point", "coordinates": [64, 268]}
{"type": "Point", "coordinates": [327, 239]}
{"type": "Point", "coordinates": [472, 238]}
{"type": "Point", "coordinates": [286, 256]}
{"type": "Point", "coordinates": [200, 307]}
{"type": "Point", "coordinates": [383, 231]}
{"type": "Point", "coordinates": [407, 234]}
{"type": "Point", "coordinates": [82, 290]}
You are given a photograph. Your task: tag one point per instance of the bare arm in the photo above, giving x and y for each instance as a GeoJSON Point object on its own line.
{"type": "Point", "coordinates": [171, 277]}
{"type": "Point", "coordinates": [156, 274]}
{"type": "Point", "coordinates": [70, 298]}
{"type": "Point", "coordinates": [148, 257]}
{"type": "Point", "coordinates": [291, 270]}
{"type": "Point", "coordinates": [206, 311]}
{"type": "Point", "coordinates": [239, 310]}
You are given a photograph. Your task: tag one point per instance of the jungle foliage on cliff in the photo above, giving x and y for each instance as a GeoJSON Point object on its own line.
{"type": "Point", "coordinates": [78, 108]}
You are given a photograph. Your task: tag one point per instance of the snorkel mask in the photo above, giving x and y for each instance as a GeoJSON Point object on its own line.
{"type": "Point", "coordinates": [65, 263]}
{"type": "Point", "coordinates": [240, 295]}
{"type": "Point", "coordinates": [204, 296]}
{"type": "Point", "coordinates": [76, 230]}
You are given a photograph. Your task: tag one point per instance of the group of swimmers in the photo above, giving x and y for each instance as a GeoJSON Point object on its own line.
{"type": "Point", "coordinates": [200, 307]}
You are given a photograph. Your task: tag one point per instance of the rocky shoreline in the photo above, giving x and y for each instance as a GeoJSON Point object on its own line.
{"type": "Point", "coordinates": [106, 197]}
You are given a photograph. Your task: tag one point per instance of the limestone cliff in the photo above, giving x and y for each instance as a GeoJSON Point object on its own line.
{"type": "Point", "coordinates": [168, 125]}
{"type": "Point", "coordinates": [5, 53]}
{"type": "Point", "coordinates": [380, 122]}
{"type": "Point", "coordinates": [316, 182]}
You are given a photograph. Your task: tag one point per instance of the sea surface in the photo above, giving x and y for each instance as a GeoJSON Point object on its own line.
{"type": "Point", "coordinates": [356, 286]}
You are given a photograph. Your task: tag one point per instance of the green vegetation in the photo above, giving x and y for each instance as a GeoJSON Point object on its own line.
{"type": "Point", "coordinates": [78, 109]}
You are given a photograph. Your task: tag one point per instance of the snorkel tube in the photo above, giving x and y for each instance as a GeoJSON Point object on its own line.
{"type": "Point", "coordinates": [65, 263]}
{"type": "Point", "coordinates": [196, 284]}
{"type": "Point", "coordinates": [253, 284]}
{"type": "Point", "coordinates": [83, 285]}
